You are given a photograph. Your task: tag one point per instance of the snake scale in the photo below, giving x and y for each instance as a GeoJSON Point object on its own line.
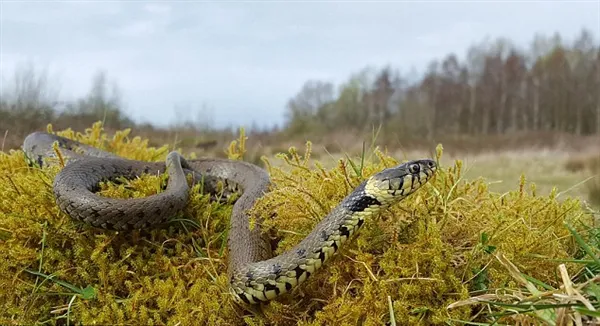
{"type": "Point", "coordinates": [254, 274]}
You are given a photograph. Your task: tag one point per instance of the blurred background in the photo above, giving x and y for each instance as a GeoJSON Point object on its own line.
{"type": "Point", "coordinates": [507, 87]}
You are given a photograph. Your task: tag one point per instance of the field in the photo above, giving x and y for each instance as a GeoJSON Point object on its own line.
{"type": "Point", "coordinates": [471, 235]}
{"type": "Point", "coordinates": [547, 169]}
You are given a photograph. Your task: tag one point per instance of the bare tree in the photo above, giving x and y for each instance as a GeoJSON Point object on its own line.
{"type": "Point", "coordinates": [30, 89]}
{"type": "Point", "coordinates": [303, 108]}
{"type": "Point", "coordinates": [499, 89]}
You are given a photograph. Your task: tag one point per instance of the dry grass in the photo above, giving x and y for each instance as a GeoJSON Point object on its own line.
{"type": "Point", "coordinates": [593, 187]}
{"type": "Point", "coordinates": [544, 168]}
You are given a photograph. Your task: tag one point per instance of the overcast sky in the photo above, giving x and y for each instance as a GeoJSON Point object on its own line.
{"type": "Point", "coordinates": [246, 59]}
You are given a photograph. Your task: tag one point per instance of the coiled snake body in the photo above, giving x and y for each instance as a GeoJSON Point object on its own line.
{"type": "Point", "coordinates": [253, 273]}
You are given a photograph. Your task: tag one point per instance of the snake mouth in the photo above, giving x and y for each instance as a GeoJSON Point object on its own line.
{"type": "Point", "coordinates": [423, 169]}
{"type": "Point", "coordinates": [428, 170]}
{"type": "Point", "coordinates": [431, 164]}
{"type": "Point", "coordinates": [429, 167]}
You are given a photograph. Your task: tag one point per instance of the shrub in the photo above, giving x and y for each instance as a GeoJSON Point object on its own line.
{"type": "Point", "coordinates": [575, 164]}
{"type": "Point", "coordinates": [438, 247]}
{"type": "Point", "coordinates": [594, 183]}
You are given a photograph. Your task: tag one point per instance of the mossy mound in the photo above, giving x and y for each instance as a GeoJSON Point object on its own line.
{"type": "Point", "coordinates": [432, 249]}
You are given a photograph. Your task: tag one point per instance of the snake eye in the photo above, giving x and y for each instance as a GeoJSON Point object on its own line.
{"type": "Point", "coordinates": [414, 168]}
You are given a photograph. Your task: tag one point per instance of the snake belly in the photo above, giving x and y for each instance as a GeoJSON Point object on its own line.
{"type": "Point", "coordinates": [254, 274]}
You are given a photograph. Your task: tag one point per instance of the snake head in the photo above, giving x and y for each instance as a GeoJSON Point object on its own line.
{"type": "Point", "coordinates": [397, 182]}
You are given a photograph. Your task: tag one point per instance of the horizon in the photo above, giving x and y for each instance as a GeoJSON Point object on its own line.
{"type": "Point", "coordinates": [251, 58]}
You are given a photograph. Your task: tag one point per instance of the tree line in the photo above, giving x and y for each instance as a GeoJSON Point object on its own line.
{"type": "Point", "coordinates": [31, 100]}
{"type": "Point", "coordinates": [498, 88]}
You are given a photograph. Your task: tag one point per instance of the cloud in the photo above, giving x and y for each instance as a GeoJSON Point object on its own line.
{"type": "Point", "coordinates": [157, 8]}
{"type": "Point", "coordinates": [448, 36]}
{"type": "Point", "coordinates": [138, 28]}
{"type": "Point", "coordinates": [246, 59]}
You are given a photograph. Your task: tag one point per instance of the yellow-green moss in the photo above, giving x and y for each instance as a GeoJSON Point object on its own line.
{"type": "Point", "coordinates": [424, 253]}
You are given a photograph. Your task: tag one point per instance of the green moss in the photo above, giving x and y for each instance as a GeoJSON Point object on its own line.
{"type": "Point", "coordinates": [434, 248]}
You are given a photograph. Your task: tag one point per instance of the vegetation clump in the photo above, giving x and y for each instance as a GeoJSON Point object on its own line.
{"type": "Point", "coordinates": [594, 185]}
{"type": "Point", "coordinates": [421, 261]}
{"type": "Point", "coordinates": [590, 165]}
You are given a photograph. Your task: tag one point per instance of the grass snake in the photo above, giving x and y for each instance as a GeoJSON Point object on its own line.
{"type": "Point", "coordinates": [254, 274]}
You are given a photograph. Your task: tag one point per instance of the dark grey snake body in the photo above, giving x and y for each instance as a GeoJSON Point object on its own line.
{"type": "Point", "coordinates": [254, 274]}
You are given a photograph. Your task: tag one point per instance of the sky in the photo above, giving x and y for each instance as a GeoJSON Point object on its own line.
{"type": "Point", "coordinates": [233, 63]}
